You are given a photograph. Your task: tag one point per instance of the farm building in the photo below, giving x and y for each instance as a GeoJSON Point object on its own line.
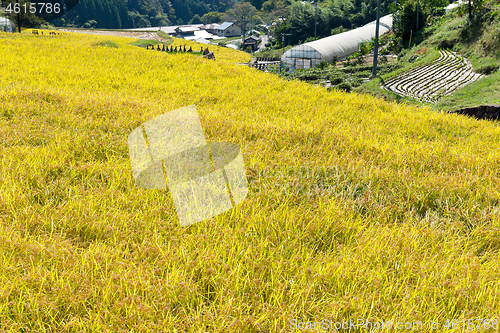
{"type": "Point", "coordinates": [251, 41]}
{"type": "Point", "coordinates": [210, 28]}
{"type": "Point", "coordinates": [7, 25]}
{"type": "Point", "coordinates": [228, 29]}
{"type": "Point", "coordinates": [192, 33]}
{"type": "Point", "coordinates": [342, 45]}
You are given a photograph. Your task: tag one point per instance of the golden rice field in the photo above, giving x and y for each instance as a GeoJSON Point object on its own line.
{"type": "Point", "coordinates": [358, 209]}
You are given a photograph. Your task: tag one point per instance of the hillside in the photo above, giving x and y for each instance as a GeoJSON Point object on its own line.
{"type": "Point", "coordinates": [122, 14]}
{"type": "Point", "coordinates": [358, 208]}
{"type": "Point", "coordinates": [477, 40]}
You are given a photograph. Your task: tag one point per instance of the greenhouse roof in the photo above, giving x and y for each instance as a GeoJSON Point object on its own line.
{"type": "Point", "coordinates": [346, 43]}
{"type": "Point", "coordinates": [341, 45]}
{"type": "Point", "coordinates": [7, 25]}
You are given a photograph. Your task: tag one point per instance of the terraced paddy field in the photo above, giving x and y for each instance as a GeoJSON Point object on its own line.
{"type": "Point", "coordinates": [359, 209]}
{"type": "Point", "coordinates": [429, 83]}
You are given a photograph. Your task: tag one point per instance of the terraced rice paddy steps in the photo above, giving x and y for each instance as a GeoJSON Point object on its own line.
{"type": "Point", "coordinates": [429, 83]}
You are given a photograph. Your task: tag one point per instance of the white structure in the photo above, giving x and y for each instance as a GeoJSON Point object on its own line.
{"type": "Point", "coordinates": [191, 32]}
{"type": "Point", "coordinates": [342, 45]}
{"type": "Point", "coordinates": [454, 5]}
{"type": "Point", "coordinates": [7, 25]}
{"type": "Point", "coordinates": [202, 40]}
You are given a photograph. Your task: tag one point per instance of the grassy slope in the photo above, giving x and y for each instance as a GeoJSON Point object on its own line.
{"type": "Point", "coordinates": [403, 225]}
{"type": "Point", "coordinates": [470, 41]}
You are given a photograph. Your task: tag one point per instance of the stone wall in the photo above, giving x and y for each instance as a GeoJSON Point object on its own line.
{"type": "Point", "coordinates": [482, 112]}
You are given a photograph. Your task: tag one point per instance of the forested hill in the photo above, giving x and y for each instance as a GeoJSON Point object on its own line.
{"type": "Point", "coordinates": [122, 14]}
{"type": "Point", "coordinates": [296, 19]}
{"type": "Point", "coordinates": [140, 13]}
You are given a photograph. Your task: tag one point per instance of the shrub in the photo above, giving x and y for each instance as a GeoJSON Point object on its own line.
{"type": "Point", "coordinates": [487, 70]}
{"type": "Point", "coordinates": [395, 44]}
{"type": "Point", "coordinates": [106, 43]}
{"type": "Point", "coordinates": [335, 78]}
{"type": "Point", "coordinates": [491, 38]}
{"type": "Point", "coordinates": [322, 65]}
{"type": "Point", "coordinates": [447, 44]}
{"type": "Point", "coordinates": [307, 74]}
{"type": "Point", "coordinates": [366, 47]}
{"type": "Point", "coordinates": [344, 86]}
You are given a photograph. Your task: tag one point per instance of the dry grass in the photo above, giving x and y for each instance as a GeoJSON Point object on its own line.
{"type": "Point", "coordinates": [358, 208]}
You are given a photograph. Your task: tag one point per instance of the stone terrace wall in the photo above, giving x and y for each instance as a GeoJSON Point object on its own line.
{"type": "Point", "coordinates": [481, 112]}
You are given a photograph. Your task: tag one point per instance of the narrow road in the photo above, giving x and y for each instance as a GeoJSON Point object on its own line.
{"type": "Point", "coordinates": [264, 39]}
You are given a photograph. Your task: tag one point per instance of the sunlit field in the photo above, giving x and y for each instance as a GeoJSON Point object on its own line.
{"type": "Point", "coordinates": [357, 208]}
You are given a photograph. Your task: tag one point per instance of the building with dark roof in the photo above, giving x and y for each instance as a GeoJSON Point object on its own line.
{"type": "Point", "coordinates": [251, 41]}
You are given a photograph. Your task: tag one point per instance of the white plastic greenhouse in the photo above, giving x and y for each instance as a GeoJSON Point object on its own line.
{"type": "Point", "coordinates": [342, 45]}
{"type": "Point", "coordinates": [7, 25]}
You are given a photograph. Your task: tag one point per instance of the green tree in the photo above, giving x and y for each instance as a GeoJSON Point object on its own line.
{"type": "Point", "coordinates": [472, 7]}
{"type": "Point", "coordinates": [195, 20]}
{"type": "Point", "coordinates": [257, 3]}
{"type": "Point", "coordinates": [242, 13]}
{"type": "Point", "coordinates": [182, 11]}
{"type": "Point", "coordinates": [211, 17]}
{"type": "Point", "coordinates": [406, 18]}
{"type": "Point", "coordinates": [138, 20]}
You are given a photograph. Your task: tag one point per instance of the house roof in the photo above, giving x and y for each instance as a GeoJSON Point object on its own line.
{"type": "Point", "coordinates": [252, 37]}
{"type": "Point", "coordinates": [170, 30]}
{"type": "Point", "coordinates": [187, 29]}
{"type": "Point", "coordinates": [203, 34]}
{"type": "Point", "coordinates": [212, 26]}
{"type": "Point", "coordinates": [225, 25]}
{"type": "Point", "coordinates": [202, 40]}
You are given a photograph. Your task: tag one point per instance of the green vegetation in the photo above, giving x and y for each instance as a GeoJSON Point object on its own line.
{"type": "Point", "coordinates": [331, 16]}
{"type": "Point", "coordinates": [273, 53]}
{"type": "Point", "coordinates": [107, 43]}
{"type": "Point", "coordinates": [164, 35]}
{"type": "Point", "coordinates": [336, 77]}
